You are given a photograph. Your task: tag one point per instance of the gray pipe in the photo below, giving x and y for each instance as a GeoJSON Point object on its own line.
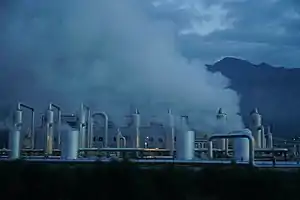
{"type": "Point", "coordinates": [58, 122]}
{"type": "Point", "coordinates": [83, 134]}
{"type": "Point", "coordinates": [105, 117]}
{"type": "Point", "coordinates": [21, 105]}
{"type": "Point", "coordinates": [237, 135]}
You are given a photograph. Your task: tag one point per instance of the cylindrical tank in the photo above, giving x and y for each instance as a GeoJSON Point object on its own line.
{"type": "Point", "coordinates": [18, 117]}
{"type": "Point", "coordinates": [241, 147]}
{"type": "Point", "coordinates": [255, 126]}
{"type": "Point", "coordinates": [14, 144]}
{"type": "Point", "coordinates": [69, 144]}
{"type": "Point", "coordinates": [185, 142]}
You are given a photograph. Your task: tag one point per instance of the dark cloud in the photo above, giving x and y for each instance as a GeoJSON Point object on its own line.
{"type": "Point", "coordinates": [258, 30]}
{"type": "Point", "coordinates": [109, 54]}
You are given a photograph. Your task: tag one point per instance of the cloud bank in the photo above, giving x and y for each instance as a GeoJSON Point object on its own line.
{"type": "Point", "coordinates": [109, 54]}
{"type": "Point", "coordinates": [257, 30]}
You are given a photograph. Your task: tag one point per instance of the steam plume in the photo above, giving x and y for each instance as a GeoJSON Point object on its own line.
{"type": "Point", "coordinates": [109, 54]}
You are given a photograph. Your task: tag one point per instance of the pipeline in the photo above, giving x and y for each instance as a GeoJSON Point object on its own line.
{"type": "Point", "coordinates": [58, 122]}
{"type": "Point", "coordinates": [137, 124]}
{"type": "Point", "coordinates": [105, 117]}
{"type": "Point", "coordinates": [120, 137]}
{"type": "Point", "coordinates": [237, 135]}
{"type": "Point", "coordinates": [82, 124]}
{"type": "Point", "coordinates": [49, 131]}
{"type": "Point", "coordinates": [172, 127]}
{"type": "Point", "coordinates": [19, 108]}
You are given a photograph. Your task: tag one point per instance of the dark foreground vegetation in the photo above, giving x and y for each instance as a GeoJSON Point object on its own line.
{"type": "Point", "coordinates": [21, 180]}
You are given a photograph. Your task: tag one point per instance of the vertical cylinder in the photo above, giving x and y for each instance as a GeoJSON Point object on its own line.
{"type": "Point", "coordinates": [14, 144]}
{"type": "Point", "coordinates": [82, 127]}
{"type": "Point", "coordinates": [241, 149]}
{"type": "Point", "coordinates": [255, 126]}
{"type": "Point", "coordinates": [137, 124]}
{"type": "Point", "coordinates": [69, 144]}
{"type": "Point", "coordinates": [185, 141]}
{"type": "Point", "coordinates": [263, 138]}
{"type": "Point", "coordinates": [172, 132]}
{"type": "Point", "coordinates": [49, 131]}
{"type": "Point", "coordinates": [269, 138]}
{"type": "Point", "coordinates": [221, 128]}
{"type": "Point", "coordinates": [210, 150]}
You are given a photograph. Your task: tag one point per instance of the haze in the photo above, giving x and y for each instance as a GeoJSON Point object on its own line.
{"type": "Point", "coordinates": [110, 54]}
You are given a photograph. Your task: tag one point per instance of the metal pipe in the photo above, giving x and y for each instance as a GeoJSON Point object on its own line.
{"type": "Point", "coordinates": [119, 138]}
{"type": "Point", "coordinates": [58, 122]}
{"type": "Point", "coordinates": [21, 105]}
{"type": "Point", "coordinates": [238, 135]}
{"type": "Point", "coordinates": [137, 124]}
{"type": "Point", "coordinates": [105, 117]}
{"type": "Point", "coordinates": [172, 127]}
{"type": "Point", "coordinates": [84, 111]}
{"type": "Point", "coordinates": [49, 131]}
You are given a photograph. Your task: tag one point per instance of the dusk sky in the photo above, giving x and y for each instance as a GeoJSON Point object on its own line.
{"type": "Point", "coordinates": [257, 30]}
{"type": "Point", "coordinates": [115, 53]}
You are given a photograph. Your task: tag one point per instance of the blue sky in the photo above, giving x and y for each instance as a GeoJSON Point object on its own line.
{"type": "Point", "coordinates": [257, 30]}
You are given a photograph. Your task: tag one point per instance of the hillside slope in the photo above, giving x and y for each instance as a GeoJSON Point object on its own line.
{"type": "Point", "coordinates": [274, 90]}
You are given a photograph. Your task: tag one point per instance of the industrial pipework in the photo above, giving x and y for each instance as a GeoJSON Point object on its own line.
{"type": "Point", "coordinates": [269, 138]}
{"type": "Point", "coordinates": [84, 112]}
{"type": "Point", "coordinates": [255, 127]}
{"type": "Point", "coordinates": [238, 135]}
{"type": "Point", "coordinates": [172, 131]}
{"type": "Point", "coordinates": [19, 108]}
{"type": "Point", "coordinates": [137, 123]}
{"type": "Point", "coordinates": [105, 117]}
{"type": "Point", "coordinates": [221, 124]}
{"type": "Point", "coordinates": [15, 134]}
{"type": "Point", "coordinates": [49, 130]}
{"type": "Point", "coordinates": [51, 106]}
{"type": "Point", "coordinates": [263, 137]}
{"type": "Point", "coordinates": [119, 138]}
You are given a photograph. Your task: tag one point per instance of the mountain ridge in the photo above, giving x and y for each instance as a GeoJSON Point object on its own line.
{"type": "Point", "coordinates": [273, 90]}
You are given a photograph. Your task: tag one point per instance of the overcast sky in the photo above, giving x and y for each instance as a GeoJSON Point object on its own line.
{"type": "Point", "coordinates": [115, 53]}
{"type": "Point", "coordinates": [257, 30]}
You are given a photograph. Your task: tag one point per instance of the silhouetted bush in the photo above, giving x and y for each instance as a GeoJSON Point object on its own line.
{"type": "Point", "coordinates": [20, 180]}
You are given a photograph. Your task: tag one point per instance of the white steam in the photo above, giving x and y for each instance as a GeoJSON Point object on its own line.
{"type": "Point", "coordinates": [109, 54]}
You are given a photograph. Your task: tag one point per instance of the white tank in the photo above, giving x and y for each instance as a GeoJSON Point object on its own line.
{"type": "Point", "coordinates": [14, 144]}
{"type": "Point", "coordinates": [185, 142]}
{"type": "Point", "coordinates": [255, 125]}
{"type": "Point", "coordinates": [241, 147]}
{"type": "Point", "coordinates": [69, 144]}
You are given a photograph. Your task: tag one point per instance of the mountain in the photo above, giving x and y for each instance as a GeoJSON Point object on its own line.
{"type": "Point", "coordinates": [273, 90]}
